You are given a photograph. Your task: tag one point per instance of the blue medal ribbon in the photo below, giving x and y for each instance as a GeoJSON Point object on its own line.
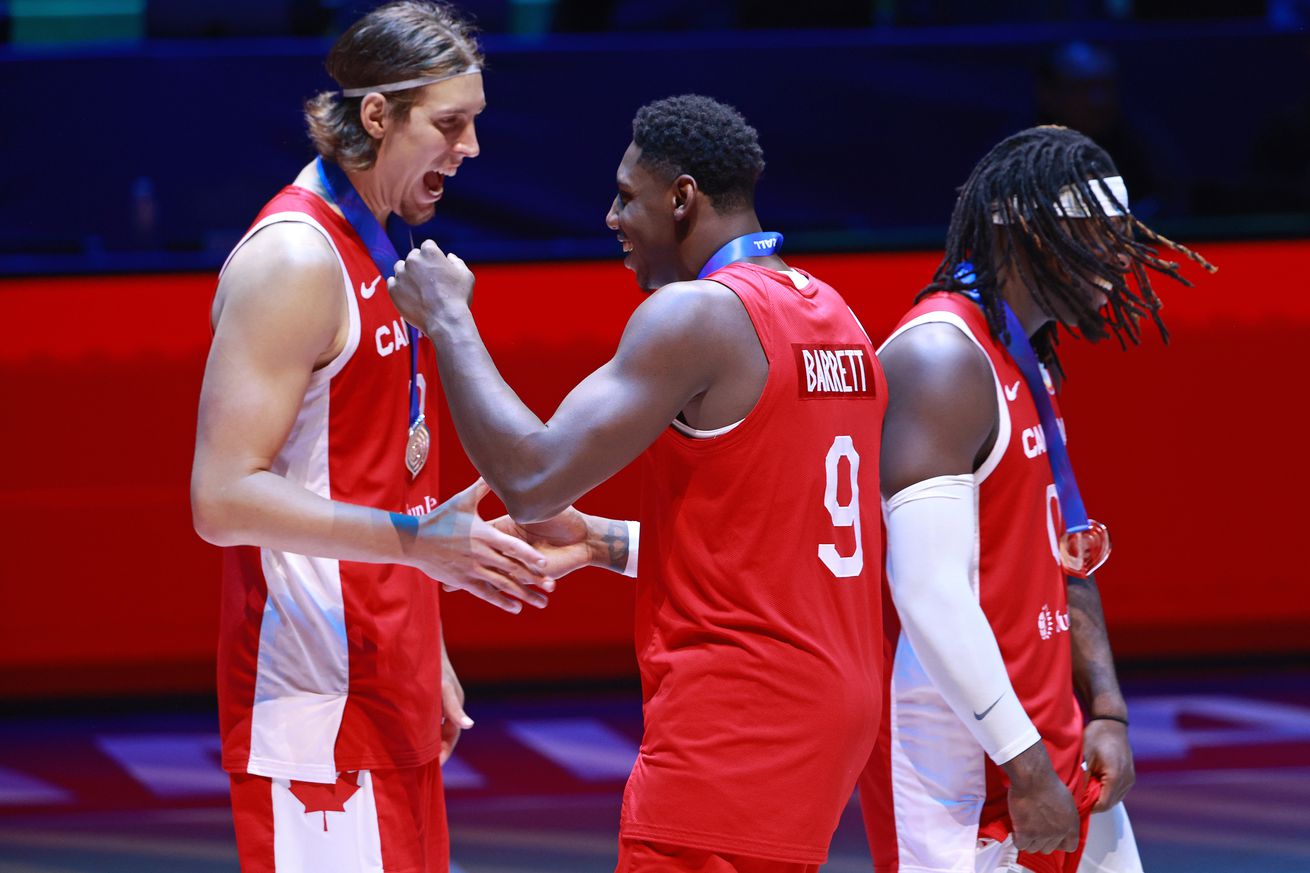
{"type": "Point", "coordinates": [752, 245]}
{"type": "Point", "coordinates": [382, 244]}
{"type": "Point", "coordinates": [1066, 486]}
{"type": "Point", "coordinates": [1021, 351]}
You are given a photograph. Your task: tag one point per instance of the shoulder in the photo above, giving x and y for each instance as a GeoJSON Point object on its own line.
{"type": "Point", "coordinates": [938, 379]}
{"type": "Point", "coordinates": [698, 326]}
{"type": "Point", "coordinates": [698, 295]}
{"type": "Point", "coordinates": [285, 279]}
{"type": "Point", "coordinates": [293, 256]}
{"type": "Point", "coordinates": [941, 405]}
{"type": "Point", "coordinates": [291, 245]}
{"type": "Point", "coordinates": [699, 308]}
{"type": "Point", "coordinates": [937, 357]}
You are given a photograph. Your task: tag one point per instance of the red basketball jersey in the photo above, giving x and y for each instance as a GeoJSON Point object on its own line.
{"type": "Point", "coordinates": [328, 665]}
{"type": "Point", "coordinates": [1021, 588]}
{"type": "Point", "coordinates": [758, 623]}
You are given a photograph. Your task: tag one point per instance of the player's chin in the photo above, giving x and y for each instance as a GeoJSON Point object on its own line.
{"type": "Point", "coordinates": [639, 272]}
{"type": "Point", "coordinates": [415, 214]}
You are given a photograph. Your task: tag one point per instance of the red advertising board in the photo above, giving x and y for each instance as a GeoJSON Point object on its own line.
{"type": "Point", "coordinates": [1190, 452]}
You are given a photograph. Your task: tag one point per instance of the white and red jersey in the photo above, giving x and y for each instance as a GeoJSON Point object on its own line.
{"type": "Point", "coordinates": [758, 624]}
{"type": "Point", "coordinates": [325, 665]}
{"type": "Point", "coordinates": [931, 787]}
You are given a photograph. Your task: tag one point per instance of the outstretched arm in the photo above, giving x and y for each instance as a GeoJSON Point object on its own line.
{"type": "Point", "coordinates": [673, 347]}
{"type": "Point", "coordinates": [1105, 740]}
{"type": "Point", "coordinates": [269, 337]}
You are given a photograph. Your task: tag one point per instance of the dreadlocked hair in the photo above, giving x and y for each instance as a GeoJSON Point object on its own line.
{"type": "Point", "coordinates": [1007, 217]}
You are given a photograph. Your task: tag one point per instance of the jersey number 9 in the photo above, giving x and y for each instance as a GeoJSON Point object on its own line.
{"type": "Point", "coordinates": [847, 515]}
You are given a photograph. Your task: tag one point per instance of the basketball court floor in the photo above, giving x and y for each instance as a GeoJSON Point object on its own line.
{"type": "Point", "coordinates": [1223, 782]}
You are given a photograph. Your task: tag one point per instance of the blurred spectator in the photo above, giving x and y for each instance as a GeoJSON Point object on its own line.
{"type": "Point", "coordinates": [1078, 87]}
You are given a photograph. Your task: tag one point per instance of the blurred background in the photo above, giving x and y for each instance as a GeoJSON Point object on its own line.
{"type": "Point", "coordinates": [140, 137]}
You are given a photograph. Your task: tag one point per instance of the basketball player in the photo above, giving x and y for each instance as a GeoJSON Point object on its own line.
{"type": "Point", "coordinates": [752, 395]}
{"type": "Point", "coordinates": [983, 765]}
{"type": "Point", "coordinates": [312, 467]}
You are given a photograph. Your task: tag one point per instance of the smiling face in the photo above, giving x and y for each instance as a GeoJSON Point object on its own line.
{"type": "Point", "coordinates": [1094, 285]}
{"type": "Point", "coordinates": [416, 155]}
{"type": "Point", "coordinates": [643, 216]}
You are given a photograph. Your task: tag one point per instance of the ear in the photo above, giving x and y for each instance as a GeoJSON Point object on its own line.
{"type": "Point", "coordinates": [373, 114]}
{"type": "Point", "coordinates": [686, 193]}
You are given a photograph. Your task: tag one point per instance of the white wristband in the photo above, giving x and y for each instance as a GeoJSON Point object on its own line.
{"type": "Point", "coordinates": [932, 531]}
{"type": "Point", "coordinates": [634, 540]}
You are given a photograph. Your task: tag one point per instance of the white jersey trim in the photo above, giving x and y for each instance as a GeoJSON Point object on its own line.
{"type": "Point", "coordinates": [352, 305]}
{"type": "Point", "coordinates": [993, 458]}
{"type": "Point", "coordinates": [302, 678]}
{"type": "Point", "coordinates": [688, 430]}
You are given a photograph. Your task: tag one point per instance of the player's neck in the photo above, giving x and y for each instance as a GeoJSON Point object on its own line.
{"type": "Point", "coordinates": [1026, 309]}
{"type": "Point", "coordinates": [712, 233]}
{"type": "Point", "coordinates": [369, 188]}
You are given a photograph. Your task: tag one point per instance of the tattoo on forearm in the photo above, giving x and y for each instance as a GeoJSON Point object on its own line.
{"type": "Point", "coordinates": [615, 541]}
{"type": "Point", "coordinates": [1093, 662]}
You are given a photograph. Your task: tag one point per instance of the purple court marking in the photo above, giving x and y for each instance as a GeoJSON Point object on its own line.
{"type": "Point", "coordinates": [171, 765]}
{"type": "Point", "coordinates": [587, 748]}
{"type": "Point", "coordinates": [19, 789]}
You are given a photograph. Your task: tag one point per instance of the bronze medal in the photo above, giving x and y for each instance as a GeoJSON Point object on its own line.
{"type": "Point", "coordinates": [416, 449]}
{"type": "Point", "coordinates": [1083, 552]}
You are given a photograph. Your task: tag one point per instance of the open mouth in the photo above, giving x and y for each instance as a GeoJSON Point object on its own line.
{"type": "Point", "coordinates": [626, 244]}
{"type": "Point", "coordinates": [435, 182]}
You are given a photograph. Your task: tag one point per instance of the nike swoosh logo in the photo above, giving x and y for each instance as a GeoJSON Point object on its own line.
{"type": "Point", "coordinates": [1011, 391]}
{"type": "Point", "coordinates": [367, 291]}
{"type": "Point", "coordinates": [982, 715]}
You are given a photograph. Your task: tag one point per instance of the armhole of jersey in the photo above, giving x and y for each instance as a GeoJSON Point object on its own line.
{"type": "Point", "coordinates": [352, 306]}
{"type": "Point", "coordinates": [689, 431]}
{"type": "Point", "coordinates": [692, 433]}
{"type": "Point", "coordinates": [1002, 410]}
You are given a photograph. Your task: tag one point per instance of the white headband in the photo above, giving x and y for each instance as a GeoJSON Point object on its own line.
{"type": "Point", "coordinates": [1111, 193]}
{"type": "Point", "coordinates": [408, 83]}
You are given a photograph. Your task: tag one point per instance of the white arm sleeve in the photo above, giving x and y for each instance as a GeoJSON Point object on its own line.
{"type": "Point", "coordinates": [932, 528]}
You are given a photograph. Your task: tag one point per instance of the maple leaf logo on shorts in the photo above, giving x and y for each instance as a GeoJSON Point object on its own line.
{"type": "Point", "coordinates": [325, 798]}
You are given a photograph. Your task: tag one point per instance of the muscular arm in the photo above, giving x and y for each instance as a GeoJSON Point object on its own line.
{"type": "Point", "coordinates": [940, 417]}
{"type": "Point", "coordinates": [677, 343]}
{"type": "Point", "coordinates": [941, 411]}
{"type": "Point", "coordinates": [1109, 757]}
{"type": "Point", "coordinates": [269, 336]}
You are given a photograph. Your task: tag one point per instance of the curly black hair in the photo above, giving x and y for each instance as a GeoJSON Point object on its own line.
{"type": "Point", "coordinates": [1011, 198]}
{"type": "Point", "coordinates": [708, 140]}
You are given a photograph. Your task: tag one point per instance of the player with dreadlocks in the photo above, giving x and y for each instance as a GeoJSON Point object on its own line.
{"type": "Point", "coordinates": [990, 552]}
{"type": "Point", "coordinates": [1006, 189]}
